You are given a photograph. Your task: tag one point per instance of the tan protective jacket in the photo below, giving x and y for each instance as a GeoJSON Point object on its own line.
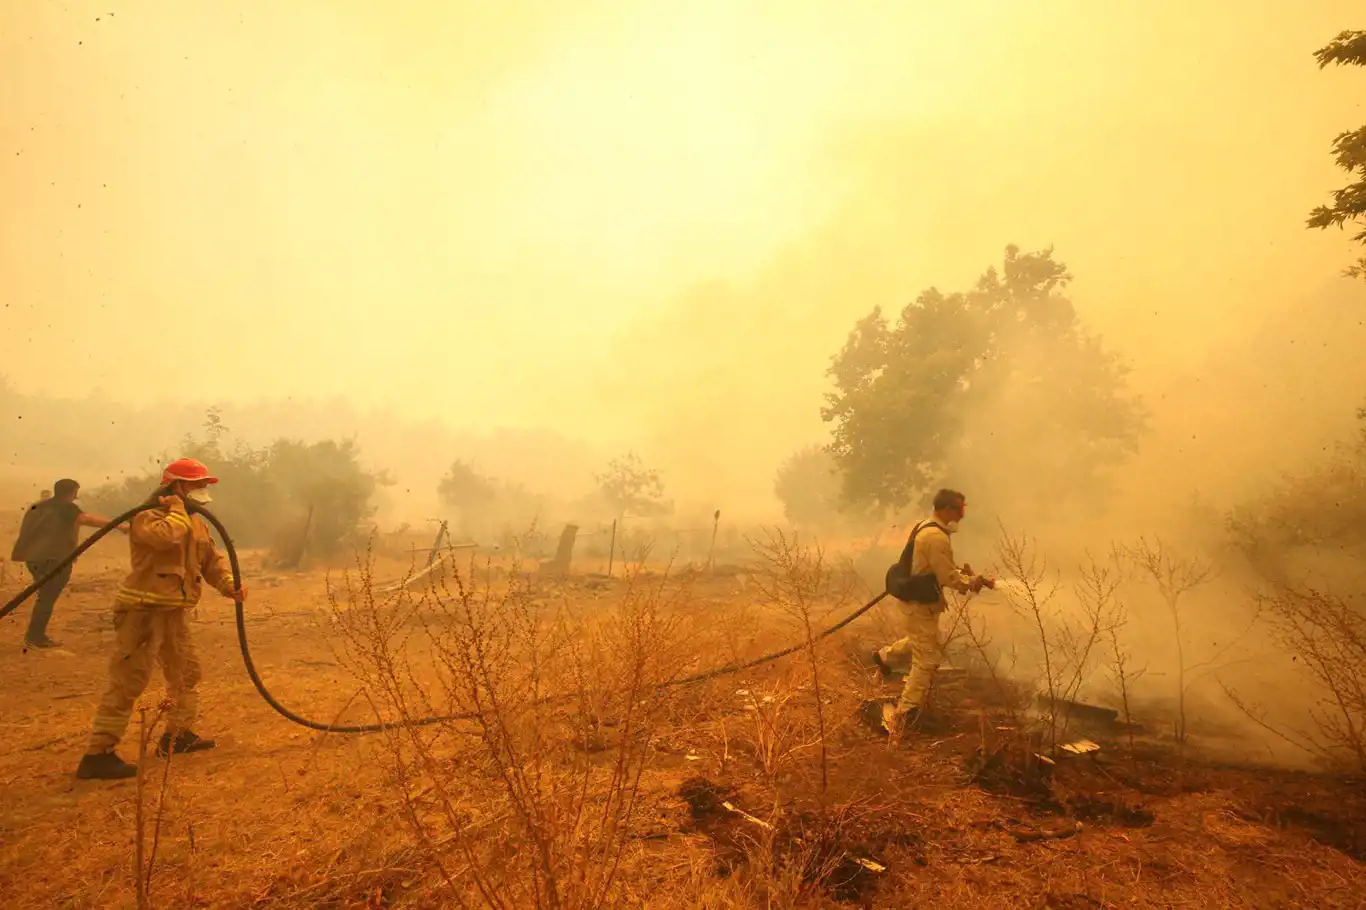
{"type": "Point", "coordinates": [171, 551]}
{"type": "Point", "coordinates": [934, 553]}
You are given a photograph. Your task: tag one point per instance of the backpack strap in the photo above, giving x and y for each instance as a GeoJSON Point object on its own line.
{"type": "Point", "coordinates": [909, 551]}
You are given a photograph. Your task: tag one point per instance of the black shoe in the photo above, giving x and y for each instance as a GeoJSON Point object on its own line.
{"type": "Point", "coordinates": [105, 766]}
{"type": "Point", "coordinates": [882, 667]}
{"type": "Point", "coordinates": [185, 741]}
{"type": "Point", "coordinates": [870, 713]}
{"type": "Point", "coordinates": [41, 644]}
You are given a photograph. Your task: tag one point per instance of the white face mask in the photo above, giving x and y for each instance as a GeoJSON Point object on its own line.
{"type": "Point", "coordinates": [951, 527]}
{"type": "Point", "coordinates": [200, 495]}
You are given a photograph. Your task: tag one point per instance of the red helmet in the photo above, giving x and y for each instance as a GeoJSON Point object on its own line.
{"type": "Point", "coordinates": [186, 469]}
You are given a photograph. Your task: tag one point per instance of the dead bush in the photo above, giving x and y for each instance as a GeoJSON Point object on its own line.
{"type": "Point", "coordinates": [526, 795]}
{"type": "Point", "coordinates": [1122, 669]}
{"type": "Point", "coordinates": [1174, 577]}
{"type": "Point", "coordinates": [794, 577]}
{"type": "Point", "coordinates": [1326, 635]}
{"type": "Point", "coordinates": [968, 635]}
{"type": "Point", "coordinates": [1067, 638]}
{"type": "Point", "coordinates": [779, 729]}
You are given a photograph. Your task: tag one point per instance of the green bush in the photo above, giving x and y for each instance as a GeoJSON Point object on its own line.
{"type": "Point", "coordinates": [267, 496]}
{"type": "Point", "coordinates": [1322, 508]}
{"type": "Point", "coordinates": [489, 509]}
{"type": "Point", "coordinates": [808, 484]}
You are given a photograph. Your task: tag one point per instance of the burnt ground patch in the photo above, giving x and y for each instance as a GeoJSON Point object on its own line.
{"type": "Point", "coordinates": [844, 852]}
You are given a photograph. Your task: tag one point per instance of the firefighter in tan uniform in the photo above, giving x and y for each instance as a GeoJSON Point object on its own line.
{"type": "Point", "coordinates": [929, 558]}
{"type": "Point", "coordinates": [172, 555]}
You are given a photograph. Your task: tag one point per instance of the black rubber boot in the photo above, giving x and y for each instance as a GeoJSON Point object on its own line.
{"type": "Point", "coordinates": [105, 766]}
{"type": "Point", "coordinates": [888, 674]}
{"type": "Point", "coordinates": [184, 741]}
{"type": "Point", "coordinates": [870, 714]}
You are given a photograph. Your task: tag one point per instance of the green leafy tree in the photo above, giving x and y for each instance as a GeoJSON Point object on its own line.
{"type": "Point", "coordinates": [808, 485]}
{"type": "Point", "coordinates": [481, 504]}
{"type": "Point", "coordinates": [326, 484]}
{"type": "Point", "coordinates": [464, 489]}
{"type": "Point", "coordinates": [1003, 371]}
{"type": "Point", "coordinates": [1349, 203]}
{"type": "Point", "coordinates": [630, 488]}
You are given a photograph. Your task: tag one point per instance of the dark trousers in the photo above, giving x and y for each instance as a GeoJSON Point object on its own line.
{"type": "Point", "coordinates": [47, 596]}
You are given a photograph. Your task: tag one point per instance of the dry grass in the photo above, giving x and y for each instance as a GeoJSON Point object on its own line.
{"type": "Point", "coordinates": [691, 797]}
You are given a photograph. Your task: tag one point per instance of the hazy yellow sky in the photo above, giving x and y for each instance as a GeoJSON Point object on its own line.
{"type": "Point", "coordinates": [442, 206]}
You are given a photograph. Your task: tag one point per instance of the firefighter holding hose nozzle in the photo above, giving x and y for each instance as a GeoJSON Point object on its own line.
{"type": "Point", "coordinates": [172, 554]}
{"type": "Point", "coordinates": [917, 581]}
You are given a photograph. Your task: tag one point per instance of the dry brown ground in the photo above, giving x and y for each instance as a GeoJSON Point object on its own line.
{"type": "Point", "coordinates": [278, 816]}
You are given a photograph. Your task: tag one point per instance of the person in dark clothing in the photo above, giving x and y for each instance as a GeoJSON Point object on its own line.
{"type": "Point", "coordinates": [48, 534]}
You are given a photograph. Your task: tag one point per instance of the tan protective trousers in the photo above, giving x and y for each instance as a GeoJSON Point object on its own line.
{"type": "Point", "coordinates": [920, 647]}
{"type": "Point", "coordinates": [144, 635]}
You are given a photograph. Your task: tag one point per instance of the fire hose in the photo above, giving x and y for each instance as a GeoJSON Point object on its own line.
{"type": "Point", "coordinates": [287, 714]}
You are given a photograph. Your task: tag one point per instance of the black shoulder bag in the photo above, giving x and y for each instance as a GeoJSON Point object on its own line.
{"type": "Point", "coordinates": [901, 584]}
{"type": "Point", "coordinates": [31, 531]}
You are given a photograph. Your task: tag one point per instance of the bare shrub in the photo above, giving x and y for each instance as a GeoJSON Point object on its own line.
{"type": "Point", "coordinates": [532, 543]}
{"type": "Point", "coordinates": [980, 647]}
{"type": "Point", "coordinates": [1174, 577]}
{"type": "Point", "coordinates": [795, 578]}
{"type": "Point", "coordinates": [1326, 635]}
{"type": "Point", "coordinates": [780, 729]}
{"type": "Point", "coordinates": [1101, 616]}
{"type": "Point", "coordinates": [529, 799]}
{"type": "Point", "coordinates": [1067, 638]}
{"type": "Point", "coordinates": [1122, 671]}
{"type": "Point", "coordinates": [145, 855]}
